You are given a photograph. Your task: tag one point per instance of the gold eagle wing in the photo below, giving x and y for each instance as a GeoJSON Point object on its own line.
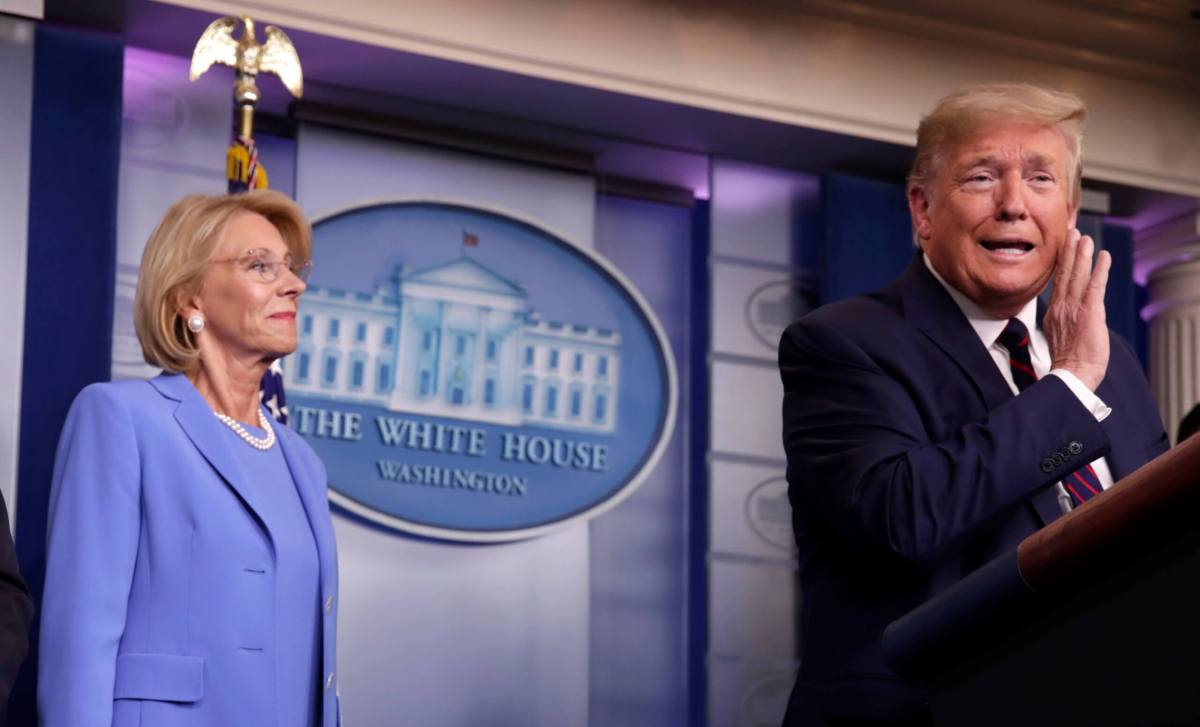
{"type": "Point", "coordinates": [216, 45]}
{"type": "Point", "coordinates": [278, 56]}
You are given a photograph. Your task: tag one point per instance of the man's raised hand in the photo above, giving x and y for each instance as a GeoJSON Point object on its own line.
{"type": "Point", "coordinates": [1075, 323]}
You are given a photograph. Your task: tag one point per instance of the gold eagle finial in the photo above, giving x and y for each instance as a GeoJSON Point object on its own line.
{"type": "Point", "coordinates": [248, 58]}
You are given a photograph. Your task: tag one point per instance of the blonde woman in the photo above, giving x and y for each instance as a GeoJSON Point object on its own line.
{"type": "Point", "coordinates": [191, 572]}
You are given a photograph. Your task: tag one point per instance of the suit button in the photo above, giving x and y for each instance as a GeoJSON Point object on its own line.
{"type": "Point", "coordinates": [328, 604]}
{"type": "Point", "coordinates": [1057, 460]}
{"type": "Point", "coordinates": [329, 680]}
{"type": "Point", "coordinates": [1075, 447]}
{"type": "Point", "coordinates": [1047, 465]}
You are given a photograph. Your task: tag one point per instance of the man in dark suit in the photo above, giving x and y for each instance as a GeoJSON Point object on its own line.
{"type": "Point", "coordinates": [934, 424]}
{"type": "Point", "coordinates": [16, 611]}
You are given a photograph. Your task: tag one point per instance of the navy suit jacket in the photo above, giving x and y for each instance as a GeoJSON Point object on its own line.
{"type": "Point", "coordinates": [16, 611]}
{"type": "Point", "coordinates": [910, 464]}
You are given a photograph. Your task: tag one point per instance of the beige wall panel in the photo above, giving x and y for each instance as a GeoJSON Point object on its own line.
{"type": "Point", "coordinates": [753, 610]}
{"type": "Point", "coordinates": [746, 410]}
{"type": "Point", "coordinates": [759, 61]}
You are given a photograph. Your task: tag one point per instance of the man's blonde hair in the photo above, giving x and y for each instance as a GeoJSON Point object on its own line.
{"type": "Point", "coordinates": [176, 259]}
{"type": "Point", "coordinates": [963, 112]}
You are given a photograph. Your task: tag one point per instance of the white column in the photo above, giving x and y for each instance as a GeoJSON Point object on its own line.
{"type": "Point", "coordinates": [1167, 260]}
{"type": "Point", "coordinates": [16, 120]}
{"type": "Point", "coordinates": [480, 355]}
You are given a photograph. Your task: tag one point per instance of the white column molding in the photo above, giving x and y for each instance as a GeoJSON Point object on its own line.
{"type": "Point", "coordinates": [16, 122]}
{"type": "Point", "coordinates": [28, 8]}
{"type": "Point", "coordinates": [1167, 260]}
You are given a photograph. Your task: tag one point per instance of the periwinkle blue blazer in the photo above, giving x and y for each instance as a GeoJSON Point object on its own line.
{"type": "Point", "coordinates": [159, 599]}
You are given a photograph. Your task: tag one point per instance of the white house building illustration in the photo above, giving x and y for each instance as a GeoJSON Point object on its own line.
{"type": "Point", "coordinates": [455, 340]}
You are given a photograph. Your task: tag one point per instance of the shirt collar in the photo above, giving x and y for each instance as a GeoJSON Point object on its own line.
{"type": "Point", "coordinates": [986, 327]}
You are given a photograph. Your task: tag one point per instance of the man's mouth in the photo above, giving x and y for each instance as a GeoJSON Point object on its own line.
{"type": "Point", "coordinates": [1007, 247]}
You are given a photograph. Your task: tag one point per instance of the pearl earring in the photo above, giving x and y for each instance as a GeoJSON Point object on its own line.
{"type": "Point", "coordinates": [195, 323]}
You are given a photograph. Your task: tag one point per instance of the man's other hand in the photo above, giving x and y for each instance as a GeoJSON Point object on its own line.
{"type": "Point", "coordinates": [1075, 324]}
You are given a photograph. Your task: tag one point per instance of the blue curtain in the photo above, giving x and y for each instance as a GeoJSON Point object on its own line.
{"type": "Point", "coordinates": [75, 150]}
{"type": "Point", "coordinates": [652, 244]}
{"type": "Point", "coordinates": [868, 235]}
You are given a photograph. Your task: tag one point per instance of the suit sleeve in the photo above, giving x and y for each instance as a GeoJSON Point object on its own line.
{"type": "Point", "coordinates": [1125, 360]}
{"type": "Point", "coordinates": [16, 611]}
{"type": "Point", "coordinates": [862, 462]}
{"type": "Point", "coordinates": [92, 540]}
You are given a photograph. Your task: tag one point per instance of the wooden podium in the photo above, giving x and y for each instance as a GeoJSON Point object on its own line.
{"type": "Point", "coordinates": [1093, 620]}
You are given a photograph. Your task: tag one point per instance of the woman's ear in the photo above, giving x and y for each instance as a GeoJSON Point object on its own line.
{"type": "Point", "coordinates": [188, 305]}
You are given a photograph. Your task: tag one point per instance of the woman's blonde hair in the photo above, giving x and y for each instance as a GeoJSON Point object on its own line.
{"type": "Point", "coordinates": [176, 259]}
{"type": "Point", "coordinates": [963, 112]}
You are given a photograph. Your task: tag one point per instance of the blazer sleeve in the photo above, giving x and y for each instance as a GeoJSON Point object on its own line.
{"type": "Point", "coordinates": [92, 541]}
{"type": "Point", "coordinates": [862, 460]}
{"type": "Point", "coordinates": [16, 611]}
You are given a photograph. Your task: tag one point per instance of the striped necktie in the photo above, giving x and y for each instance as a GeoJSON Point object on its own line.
{"type": "Point", "coordinates": [1083, 482]}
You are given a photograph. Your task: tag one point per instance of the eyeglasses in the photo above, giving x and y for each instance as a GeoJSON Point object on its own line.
{"type": "Point", "coordinates": [268, 269]}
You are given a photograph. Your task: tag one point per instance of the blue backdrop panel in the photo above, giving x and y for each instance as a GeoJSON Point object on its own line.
{"type": "Point", "coordinates": [868, 235]}
{"type": "Point", "coordinates": [637, 651]}
{"type": "Point", "coordinates": [1121, 297]}
{"type": "Point", "coordinates": [696, 391]}
{"type": "Point", "coordinates": [69, 282]}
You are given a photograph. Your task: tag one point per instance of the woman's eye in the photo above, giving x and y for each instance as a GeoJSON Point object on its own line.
{"type": "Point", "coordinates": [258, 266]}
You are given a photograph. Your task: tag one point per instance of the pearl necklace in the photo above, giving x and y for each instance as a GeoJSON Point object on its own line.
{"type": "Point", "coordinates": [260, 444]}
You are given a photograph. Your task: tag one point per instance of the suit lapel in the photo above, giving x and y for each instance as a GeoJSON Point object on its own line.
{"type": "Point", "coordinates": [313, 499]}
{"type": "Point", "coordinates": [930, 308]}
{"type": "Point", "coordinates": [209, 435]}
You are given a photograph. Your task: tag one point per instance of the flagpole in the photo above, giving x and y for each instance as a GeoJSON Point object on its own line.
{"type": "Point", "coordinates": [242, 171]}
{"type": "Point", "coordinates": [469, 239]}
{"type": "Point", "coordinates": [248, 58]}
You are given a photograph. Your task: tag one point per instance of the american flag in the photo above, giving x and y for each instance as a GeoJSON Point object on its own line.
{"type": "Point", "coordinates": [243, 172]}
{"type": "Point", "coordinates": [272, 394]}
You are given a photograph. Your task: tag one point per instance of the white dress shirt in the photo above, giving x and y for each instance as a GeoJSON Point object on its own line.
{"type": "Point", "coordinates": [989, 329]}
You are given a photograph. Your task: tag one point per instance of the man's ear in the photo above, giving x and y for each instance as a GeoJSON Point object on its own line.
{"type": "Point", "coordinates": [918, 207]}
{"type": "Point", "coordinates": [1073, 216]}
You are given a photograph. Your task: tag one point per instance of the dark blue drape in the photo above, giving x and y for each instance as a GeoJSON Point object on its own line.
{"type": "Point", "coordinates": [868, 235]}
{"type": "Point", "coordinates": [1121, 297]}
{"type": "Point", "coordinates": [75, 150]}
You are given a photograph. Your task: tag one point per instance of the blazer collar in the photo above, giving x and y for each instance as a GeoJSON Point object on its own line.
{"type": "Point", "coordinates": [209, 436]}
